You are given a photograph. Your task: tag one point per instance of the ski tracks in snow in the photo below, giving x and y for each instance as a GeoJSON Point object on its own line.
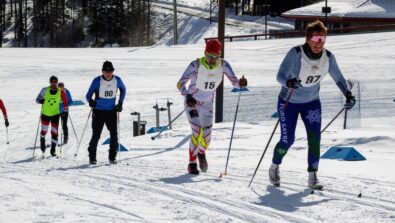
{"type": "Point", "coordinates": [122, 194]}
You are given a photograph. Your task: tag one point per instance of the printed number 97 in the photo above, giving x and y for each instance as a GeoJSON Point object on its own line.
{"type": "Point", "coordinates": [310, 79]}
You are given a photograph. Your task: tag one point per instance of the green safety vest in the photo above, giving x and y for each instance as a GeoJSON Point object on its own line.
{"type": "Point", "coordinates": [51, 103]}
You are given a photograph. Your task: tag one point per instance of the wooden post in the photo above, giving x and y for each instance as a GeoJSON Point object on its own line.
{"type": "Point", "coordinates": [175, 34]}
{"type": "Point", "coordinates": [219, 100]}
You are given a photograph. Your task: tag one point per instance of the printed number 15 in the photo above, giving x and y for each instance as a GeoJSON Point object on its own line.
{"type": "Point", "coordinates": [209, 85]}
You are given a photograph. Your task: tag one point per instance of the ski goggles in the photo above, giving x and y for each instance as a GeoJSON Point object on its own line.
{"type": "Point", "coordinates": [212, 56]}
{"type": "Point", "coordinates": [317, 39]}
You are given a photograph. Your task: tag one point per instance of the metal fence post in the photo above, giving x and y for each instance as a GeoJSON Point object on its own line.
{"type": "Point", "coordinates": [169, 113]}
{"type": "Point", "coordinates": [138, 122]}
{"type": "Point", "coordinates": [156, 107]}
{"type": "Point", "coordinates": [345, 119]}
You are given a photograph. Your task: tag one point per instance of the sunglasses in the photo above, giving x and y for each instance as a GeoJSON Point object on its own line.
{"type": "Point", "coordinates": [317, 39]}
{"type": "Point", "coordinates": [54, 81]}
{"type": "Point", "coordinates": [212, 56]}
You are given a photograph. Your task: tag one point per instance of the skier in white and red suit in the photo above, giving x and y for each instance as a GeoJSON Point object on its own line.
{"type": "Point", "coordinates": [204, 76]}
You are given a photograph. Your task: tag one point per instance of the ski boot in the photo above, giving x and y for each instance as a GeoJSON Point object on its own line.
{"type": "Point", "coordinates": [42, 144]}
{"type": "Point", "coordinates": [192, 169]}
{"type": "Point", "coordinates": [313, 181]}
{"type": "Point", "coordinates": [274, 175]}
{"type": "Point", "coordinates": [92, 158]}
{"type": "Point", "coordinates": [53, 149]}
{"type": "Point", "coordinates": [202, 162]}
{"type": "Point", "coordinates": [113, 162]}
{"type": "Point", "coordinates": [92, 162]}
{"type": "Point", "coordinates": [65, 139]}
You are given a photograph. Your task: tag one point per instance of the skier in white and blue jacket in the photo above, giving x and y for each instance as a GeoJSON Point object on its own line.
{"type": "Point", "coordinates": [104, 109]}
{"type": "Point", "coordinates": [300, 74]}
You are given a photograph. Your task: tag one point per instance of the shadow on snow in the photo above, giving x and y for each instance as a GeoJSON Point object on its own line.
{"type": "Point", "coordinates": [185, 178]}
{"type": "Point", "coordinates": [277, 199]}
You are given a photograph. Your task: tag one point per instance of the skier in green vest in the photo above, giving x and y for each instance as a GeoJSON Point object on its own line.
{"type": "Point", "coordinates": [50, 97]}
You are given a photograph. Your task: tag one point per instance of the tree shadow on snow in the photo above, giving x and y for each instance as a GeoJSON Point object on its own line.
{"type": "Point", "coordinates": [24, 160]}
{"type": "Point", "coordinates": [31, 148]}
{"type": "Point", "coordinates": [185, 178]}
{"type": "Point", "coordinates": [79, 167]}
{"type": "Point", "coordinates": [136, 217]}
{"type": "Point", "coordinates": [179, 144]}
{"type": "Point", "coordinates": [277, 199]}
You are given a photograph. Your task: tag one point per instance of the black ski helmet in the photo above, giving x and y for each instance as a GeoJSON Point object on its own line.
{"type": "Point", "coordinates": [53, 78]}
{"type": "Point", "coordinates": [107, 66]}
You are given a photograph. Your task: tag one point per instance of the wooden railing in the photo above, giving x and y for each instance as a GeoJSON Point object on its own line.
{"type": "Point", "coordinates": [276, 34]}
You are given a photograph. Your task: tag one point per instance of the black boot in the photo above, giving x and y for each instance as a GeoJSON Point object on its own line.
{"type": "Point", "coordinates": [42, 144]}
{"type": "Point", "coordinates": [53, 149]}
{"type": "Point", "coordinates": [92, 162]}
{"type": "Point", "coordinates": [92, 156]}
{"type": "Point", "coordinates": [192, 169]}
{"type": "Point", "coordinates": [112, 157]}
{"type": "Point", "coordinates": [114, 161]}
{"type": "Point", "coordinates": [65, 139]}
{"type": "Point", "coordinates": [202, 162]}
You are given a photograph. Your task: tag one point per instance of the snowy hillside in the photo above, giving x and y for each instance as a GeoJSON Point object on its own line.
{"type": "Point", "coordinates": [193, 28]}
{"type": "Point", "coordinates": [350, 9]}
{"type": "Point", "coordinates": [150, 183]}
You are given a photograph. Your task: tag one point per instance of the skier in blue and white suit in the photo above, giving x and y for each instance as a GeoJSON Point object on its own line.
{"type": "Point", "coordinates": [105, 110]}
{"type": "Point", "coordinates": [300, 74]}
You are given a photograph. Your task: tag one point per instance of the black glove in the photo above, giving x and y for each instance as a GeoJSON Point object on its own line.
{"type": "Point", "coordinates": [242, 82]}
{"type": "Point", "coordinates": [6, 123]}
{"type": "Point", "coordinates": [63, 114]}
{"type": "Point", "coordinates": [294, 83]}
{"type": "Point", "coordinates": [350, 101]}
{"type": "Point", "coordinates": [190, 100]}
{"type": "Point", "coordinates": [41, 101]}
{"type": "Point", "coordinates": [118, 107]}
{"type": "Point", "coordinates": [92, 103]}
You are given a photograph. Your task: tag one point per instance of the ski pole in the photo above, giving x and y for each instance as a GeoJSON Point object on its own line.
{"type": "Point", "coordinates": [270, 139]}
{"type": "Point", "coordinates": [35, 141]}
{"type": "Point", "coordinates": [263, 154]}
{"type": "Point", "coordinates": [6, 129]}
{"type": "Point", "coordinates": [231, 136]}
{"type": "Point", "coordinates": [333, 120]}
{"type": "Point", "coordinates": [61, 135]}
{"type": "Point", "coordinates": [72, 125]}
{"type": "Point", "coordinates": [163, 129]}
{"type": "Point", "coordinates": [119, 138]}
{"type": "Point", "coordinates": [83, 132]}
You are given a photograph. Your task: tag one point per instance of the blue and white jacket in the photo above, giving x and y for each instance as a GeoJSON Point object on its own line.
{"type": "Point", "coordinates": [105, 92]}
{"type": "Point", "coordinates": [297, 64]}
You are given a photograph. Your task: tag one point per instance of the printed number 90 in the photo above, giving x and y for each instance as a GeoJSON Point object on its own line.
{"type": "Point", "coordinates": [108, 93]}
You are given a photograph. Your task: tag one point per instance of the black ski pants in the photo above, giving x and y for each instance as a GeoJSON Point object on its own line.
{"type": "Point", "coordinates": [99, 118]}
{"type": "Point", "coordinates": [65, 118]}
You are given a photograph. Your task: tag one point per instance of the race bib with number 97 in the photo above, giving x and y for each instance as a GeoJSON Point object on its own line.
{"type": "Point", "coordinates": [313, 71]}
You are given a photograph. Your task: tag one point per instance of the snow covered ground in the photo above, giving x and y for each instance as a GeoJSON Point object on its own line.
{"type": "Point", "coordinates": [193, 29]}
{"type": "Point", "coordinates": [150, 183]}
